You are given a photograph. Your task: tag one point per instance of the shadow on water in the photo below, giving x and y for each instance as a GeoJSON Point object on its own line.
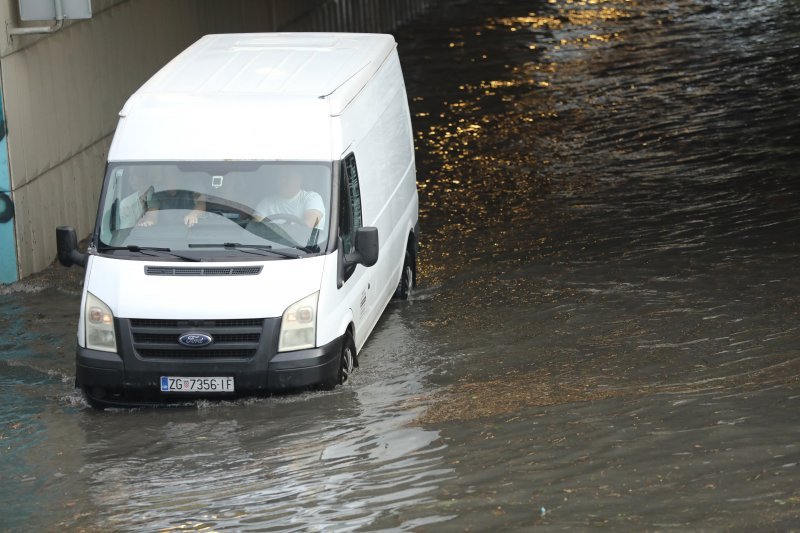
{"type": "Point", "coordinates": [606, 331]}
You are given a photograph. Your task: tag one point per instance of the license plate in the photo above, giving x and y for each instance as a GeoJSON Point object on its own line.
{"type": "Point", "coordinates": [181, 384]}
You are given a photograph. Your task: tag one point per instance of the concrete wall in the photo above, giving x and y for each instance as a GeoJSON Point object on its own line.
{"type": "Point", "coordinates": [62, 92]}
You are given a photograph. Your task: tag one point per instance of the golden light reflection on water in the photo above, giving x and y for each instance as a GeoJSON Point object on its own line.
{"type": "Point", "coordinates": [484, 156]}
{"type": "Point", "coordinates": [568, 14]}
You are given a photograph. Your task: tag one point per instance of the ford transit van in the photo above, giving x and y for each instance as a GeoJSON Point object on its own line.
{"type": "Point", "coordinates": [259, 211]}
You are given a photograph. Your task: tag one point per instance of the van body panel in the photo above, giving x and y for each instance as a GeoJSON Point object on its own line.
{"type": "Point", "coordinates": [130, 293]}
{"type": "Point", "coordinates": [383, 145]}
{"type": "Point", "coordinates": [249, 96]}
{"type": "Point", "coordinates": [211, 129]}
{"type": "Point", "coordinates": [223, 127]}
{"type": "Point", "coordinates": [341, 305]}
{"type": "Point", "coordinates": [278, 64]}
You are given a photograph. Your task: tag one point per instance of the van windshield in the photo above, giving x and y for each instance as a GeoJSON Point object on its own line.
{"type": "Point", "coordinates": [242, 209]}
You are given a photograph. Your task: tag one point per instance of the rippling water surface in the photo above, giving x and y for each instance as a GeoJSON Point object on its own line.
{"type": "Point", "coordinates": [606, 331]}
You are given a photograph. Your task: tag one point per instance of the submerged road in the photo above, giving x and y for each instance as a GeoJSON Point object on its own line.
{"type": "Point", "coordinates": [606, 332]}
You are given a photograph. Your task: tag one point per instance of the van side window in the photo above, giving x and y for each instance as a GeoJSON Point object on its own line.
{"type": "Point", "coordinates": [350, 217]}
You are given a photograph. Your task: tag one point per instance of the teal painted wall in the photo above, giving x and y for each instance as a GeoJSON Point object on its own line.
{"type": "Point", "coordinates": [8, 246]}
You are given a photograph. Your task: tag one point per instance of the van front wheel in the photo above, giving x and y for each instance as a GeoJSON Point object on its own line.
{"type": "Point", "coordinates": [403, 290]}
{"type": "Point", "coordinates": [347, 362]}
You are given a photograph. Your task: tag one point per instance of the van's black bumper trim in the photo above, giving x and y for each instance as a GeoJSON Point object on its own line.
{"type": "Point", "coordinates": [285, 371]}
{"type": "Point", "coordinates": [303, 368]}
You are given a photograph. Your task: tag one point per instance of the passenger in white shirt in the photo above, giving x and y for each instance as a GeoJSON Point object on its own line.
{"type": "Point", "coordinates": [293, 200]}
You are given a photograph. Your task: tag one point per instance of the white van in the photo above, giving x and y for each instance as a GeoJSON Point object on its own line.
{"type": "Point", "coordinates": [236, 247]}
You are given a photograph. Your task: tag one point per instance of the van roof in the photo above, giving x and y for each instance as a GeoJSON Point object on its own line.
{"type": "Point", "coordinates": [250, 96]}
{"type": "Point", "coordinates": [294, 66]}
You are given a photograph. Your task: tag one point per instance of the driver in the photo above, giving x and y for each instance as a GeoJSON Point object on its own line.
{"type": "Point", "coordinates": [292, 200]}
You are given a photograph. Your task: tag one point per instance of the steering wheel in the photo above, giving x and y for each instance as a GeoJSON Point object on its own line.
{"type": "Point", "coordinates": [281, 218]}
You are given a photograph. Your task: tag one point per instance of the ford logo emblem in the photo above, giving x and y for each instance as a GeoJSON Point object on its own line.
{"type": "Point", "coordinates": [195, 339]}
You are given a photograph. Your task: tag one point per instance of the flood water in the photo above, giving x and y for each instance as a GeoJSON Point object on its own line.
{"type": "Point", "coordinates": [606, 331]}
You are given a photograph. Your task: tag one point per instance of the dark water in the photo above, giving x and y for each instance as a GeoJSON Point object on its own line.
{"type": "Point", "coordinates": [606, 333]}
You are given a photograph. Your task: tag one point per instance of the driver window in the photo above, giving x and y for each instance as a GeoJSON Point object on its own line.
{"type": "Point", "coordinates": [349, 203]}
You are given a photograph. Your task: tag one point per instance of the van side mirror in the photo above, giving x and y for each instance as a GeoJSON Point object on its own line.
{"type": "Point", "coordinates": [366, 246]}
{"type": "Point", "coordinates": [365, 253]}
{"type": "Point", "coordinates": [67, 246]}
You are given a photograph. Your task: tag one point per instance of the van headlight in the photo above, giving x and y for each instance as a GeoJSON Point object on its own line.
{"type": "Point", "coordinates": [99, 325]}
{"type": "Point", "coordinates": [299, 325]}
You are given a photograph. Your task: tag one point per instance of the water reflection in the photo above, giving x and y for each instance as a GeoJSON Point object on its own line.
{"type": "Point", "coordinates": [605, 159]}
{"type": "Point", "coordinates": [343, 459]}
{"type": "Point", "coordinates": [619, 243]}
{"type": "Point", "coordinates": [32, 373]}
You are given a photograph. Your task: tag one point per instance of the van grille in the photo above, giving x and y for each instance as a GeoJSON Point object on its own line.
{"type": "Point", "coordinates": [166, 338]}
{"type": "Point", "coordinates": [201, 271]}
{"type": "Point", "coordinates": [233, 339]}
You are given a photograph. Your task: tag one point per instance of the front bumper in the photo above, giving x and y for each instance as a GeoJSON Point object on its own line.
{"type": "Point", "coordinates": [128, 377]}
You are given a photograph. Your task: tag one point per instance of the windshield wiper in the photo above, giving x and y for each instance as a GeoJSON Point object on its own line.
{"type": "Point", "coordinates": [308, 249]}
{"type": "Point", "coordinates": [246, 247]}
{"type": "Point", "coordinates": [144, 249]}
